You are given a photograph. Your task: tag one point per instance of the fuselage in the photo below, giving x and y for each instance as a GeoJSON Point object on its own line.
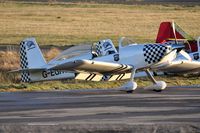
{"type": "Point", "coordinates": [138, 56]}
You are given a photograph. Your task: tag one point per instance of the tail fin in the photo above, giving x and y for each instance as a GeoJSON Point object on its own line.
{"type": "Point", "coordinates": [166, 33]}
{"type": "Point", "coordinates": [30, 58]}
{"type": "Point", "coordinates": [105, 47]}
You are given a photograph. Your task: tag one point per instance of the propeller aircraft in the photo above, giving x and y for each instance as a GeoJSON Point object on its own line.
{"type": "Point", "coordinates": [103, 62]}
{"type": "Point", "coordinates": [188, 59]}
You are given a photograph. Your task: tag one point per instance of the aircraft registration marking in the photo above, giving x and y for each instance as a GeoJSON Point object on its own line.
{"type": "Point", "coordinates": [51, 73]}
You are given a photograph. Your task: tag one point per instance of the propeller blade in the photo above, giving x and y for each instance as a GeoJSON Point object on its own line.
{"type": "Point", "coordinates": [174, 31]}
{"type": "Point", "coordinates": [186, 55]}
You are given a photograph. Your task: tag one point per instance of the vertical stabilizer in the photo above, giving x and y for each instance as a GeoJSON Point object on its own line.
{"type": "Point", "coordinates": [166, 32]}
{"type": "Point", "coordinates": [30, 58]}
{"type": "Point", "coordinates": [30, 54]}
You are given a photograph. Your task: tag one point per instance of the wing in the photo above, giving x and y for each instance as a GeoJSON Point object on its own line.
{"type": "Point", "coordinates": [181, 66]}
{"type": "Point", "coordinates": [100, 77]}
{"type": "Point", "coordinates": [93, 66]}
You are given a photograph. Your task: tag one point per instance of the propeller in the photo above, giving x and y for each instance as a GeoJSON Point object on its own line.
{"type": "Point", "coordinates": [186, 55]}
{"type": "Point", "coordinates": [174, 31]}
{"type": "Point", "coordinates": [176, 46]}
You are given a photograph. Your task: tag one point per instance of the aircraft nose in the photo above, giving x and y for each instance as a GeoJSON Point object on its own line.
{"type": "Point", "coordinates": [178, 47]}
{"type": "Point", "coordinates": [153, 53]}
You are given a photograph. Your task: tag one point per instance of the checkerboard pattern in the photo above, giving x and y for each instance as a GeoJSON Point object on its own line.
{"type": "Point", "coordinates": [153, 53]}
{"type": "Point", "coordinates": [99, 48]}
{"type": "Point", "coordinates": [25, 75]}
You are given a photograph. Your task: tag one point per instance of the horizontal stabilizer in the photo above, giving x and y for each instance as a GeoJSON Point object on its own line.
{"type": "Point", "coordinates": [27, 70]}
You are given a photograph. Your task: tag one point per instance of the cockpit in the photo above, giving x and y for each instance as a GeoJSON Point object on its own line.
{"type": "Point", "coordinates": [104, 47]}
{"type": "Point", "coordinates": [101, 48]}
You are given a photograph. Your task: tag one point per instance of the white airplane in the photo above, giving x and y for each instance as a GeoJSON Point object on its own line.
{"type": "Point", "coordinates": [188, 59]}
{"type": "Point", "coordinates": [98, 62]}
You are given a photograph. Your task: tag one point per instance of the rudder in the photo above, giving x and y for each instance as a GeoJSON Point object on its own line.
{"type": "Point", "coordinates": [30, 58]}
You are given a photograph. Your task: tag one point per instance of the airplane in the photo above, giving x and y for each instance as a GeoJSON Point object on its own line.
{"type": "Point", "coordinates": [99, 62]}
{"type": "Point", "coordinates": [188, 59]}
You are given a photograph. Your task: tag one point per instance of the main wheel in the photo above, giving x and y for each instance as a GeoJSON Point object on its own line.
{"type": "Point", "coordinates": [129, 87]}
{"type": "Point", "coordinates": [157, 87]}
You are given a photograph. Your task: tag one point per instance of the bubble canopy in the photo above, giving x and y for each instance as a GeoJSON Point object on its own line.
{"type": "Point", "coordinates": [75, 51]}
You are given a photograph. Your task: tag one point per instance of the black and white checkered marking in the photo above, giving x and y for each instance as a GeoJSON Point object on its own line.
{"type": "Point", "coordinates": [25, 75]}
{"type": "Point", "coordinates": [99, 48]}
{"type": "Point", "coordinates": [154, 52]}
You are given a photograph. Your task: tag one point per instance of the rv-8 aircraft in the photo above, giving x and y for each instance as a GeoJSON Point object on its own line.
{"type": "Point", "coordinates": [100, 62]}
{"type": "Point", "coordinates": [188, 59]}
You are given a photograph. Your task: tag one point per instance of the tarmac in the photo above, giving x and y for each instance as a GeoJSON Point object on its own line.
{"type": "Point", "coordinates": [176, 109]}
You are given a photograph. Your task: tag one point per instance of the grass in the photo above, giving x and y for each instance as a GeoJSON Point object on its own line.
{"type": "Point", "coordinates": [9, 60]}
{"type": "Point", "coordinates": [65, 24]}
{"type": "Point", "coordinates": [72, 84]}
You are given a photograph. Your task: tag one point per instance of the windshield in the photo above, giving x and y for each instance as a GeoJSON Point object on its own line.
{"type": "Point", "coordinates": [124, 41]}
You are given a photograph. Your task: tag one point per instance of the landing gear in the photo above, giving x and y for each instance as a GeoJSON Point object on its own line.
{"type": "Point", "coordinates": [130, 86]}
{"type": "Point", "coordinates": [157, 86]}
